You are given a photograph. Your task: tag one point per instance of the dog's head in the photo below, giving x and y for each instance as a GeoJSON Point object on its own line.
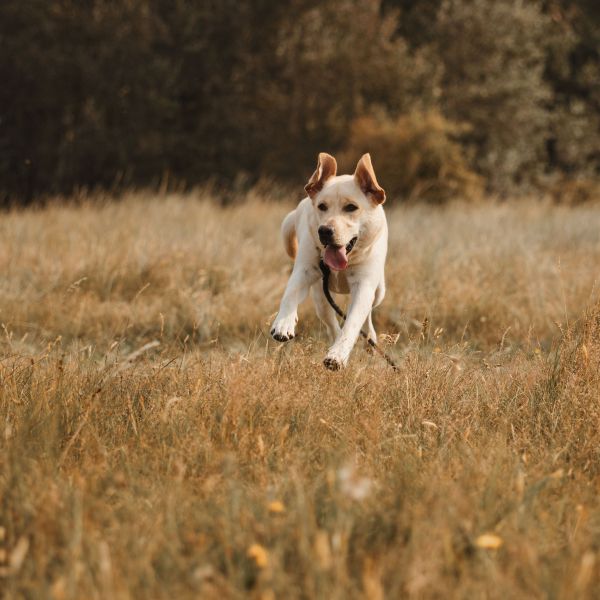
{"type": "Point", "coordinates": [344, 206]}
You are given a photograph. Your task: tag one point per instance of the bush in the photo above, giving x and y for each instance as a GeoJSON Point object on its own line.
{"type": "Point", "coordinates": [415, 156]}
{"type": "Point", "coordinates": [574, 190]}
{"type": "Point", "coordinates": [333, 63]}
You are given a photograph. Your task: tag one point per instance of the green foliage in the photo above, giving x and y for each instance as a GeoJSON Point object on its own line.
{"type": "Point", "coordinates": [417, 156]}
{"type": "Point", "coordinates": [494, 61]}
{"type": "Point", "coordinates": [573, 71]}
{"type": "Point", "coordinates": [104, 94]}
{"type": "Point", "coordinates": [334, 62]}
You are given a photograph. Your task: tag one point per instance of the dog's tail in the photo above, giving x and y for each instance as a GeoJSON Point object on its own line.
{"type": "Point", "coordinates": [288, 232]}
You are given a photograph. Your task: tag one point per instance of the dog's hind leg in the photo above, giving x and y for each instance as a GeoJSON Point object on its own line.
{"type": "Point", "coordinates": [368, 326]}
{"type": "Point", "coordinates": [369, 329]}
{"type": "Point", "coordinates": [325, 312]}
{"type": "Point", "coordinates": [288, 233]}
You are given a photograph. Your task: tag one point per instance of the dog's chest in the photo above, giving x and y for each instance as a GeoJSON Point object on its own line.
{"type": "Point", "coordinates": [338, 282]}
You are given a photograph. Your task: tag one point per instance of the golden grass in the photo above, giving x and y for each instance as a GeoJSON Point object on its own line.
{"type": "Point", "coordinates": [157, 444]}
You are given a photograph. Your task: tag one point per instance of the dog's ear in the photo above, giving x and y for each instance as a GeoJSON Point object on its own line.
{"type": "Point", "coordinates": [366, 180]}
{"type": "Point", "coordinates": [326, 168]}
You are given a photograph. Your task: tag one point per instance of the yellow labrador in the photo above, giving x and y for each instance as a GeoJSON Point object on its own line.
{"type": "Point", "coordinates": [341, 222]}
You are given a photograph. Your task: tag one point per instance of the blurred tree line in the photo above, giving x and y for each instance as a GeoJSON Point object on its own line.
{"type": "Point", "coordinates": [452, 97]}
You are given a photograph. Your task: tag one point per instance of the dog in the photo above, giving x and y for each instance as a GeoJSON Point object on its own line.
{"type": "Point", "coordinates": [341, 222]}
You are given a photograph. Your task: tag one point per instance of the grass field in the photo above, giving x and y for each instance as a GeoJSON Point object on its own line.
{"type": "Point", "coordinates": [156, 443]}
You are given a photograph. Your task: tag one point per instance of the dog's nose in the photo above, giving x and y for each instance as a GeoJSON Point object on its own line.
{"type": "Point", "coordinates": [325, 234]}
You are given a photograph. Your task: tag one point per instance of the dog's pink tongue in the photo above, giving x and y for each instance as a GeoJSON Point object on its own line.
{"type": "Point", "coordinates": [335, 258]}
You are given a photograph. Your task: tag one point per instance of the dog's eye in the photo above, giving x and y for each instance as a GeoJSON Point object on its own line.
{"type": "Point", "coordinates": [350, 208]}
{"type": "Point", "coordinates": [322, 207]}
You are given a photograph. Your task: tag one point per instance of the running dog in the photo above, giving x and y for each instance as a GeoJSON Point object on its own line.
{"type": "Point", "coordinates": [341, 222]}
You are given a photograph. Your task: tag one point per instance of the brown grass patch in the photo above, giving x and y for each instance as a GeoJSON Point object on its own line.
{"type": "Point", "coordinates": [217, 463]}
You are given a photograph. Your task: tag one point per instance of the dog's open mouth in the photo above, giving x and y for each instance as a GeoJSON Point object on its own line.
{"type": "Point", "coordinates": [336, 257]}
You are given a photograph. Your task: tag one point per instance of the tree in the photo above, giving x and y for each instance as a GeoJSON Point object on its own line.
{"type": "Point", "coordinates": [493, 56]}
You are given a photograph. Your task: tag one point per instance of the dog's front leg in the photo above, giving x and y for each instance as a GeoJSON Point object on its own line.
{"type": "Point", "coordinates": [299, 284]}
{"type": "Point", "coordinates": [363, 294]}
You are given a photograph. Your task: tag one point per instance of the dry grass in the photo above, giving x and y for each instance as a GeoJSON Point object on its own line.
{"type": "Point", "coordinates": [215, 463]}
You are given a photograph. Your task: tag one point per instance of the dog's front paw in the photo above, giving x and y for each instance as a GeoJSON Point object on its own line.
{"type": "Point", "coordinates": [334, 361]}
{"type": "Point", "coordinates": [332, 364]}
{"type": "Point", "coordinates": [283, 328]}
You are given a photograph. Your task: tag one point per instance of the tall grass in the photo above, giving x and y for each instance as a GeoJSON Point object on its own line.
{"type": "Point", "coordinates": [157, 444]}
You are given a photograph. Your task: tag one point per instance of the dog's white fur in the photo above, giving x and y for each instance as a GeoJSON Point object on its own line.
{"type": "Point", "coordinates": [327, 204]}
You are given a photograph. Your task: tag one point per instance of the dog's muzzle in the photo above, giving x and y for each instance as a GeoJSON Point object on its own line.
{"type": "Point", "coordinates": [325, 235]}
{"type": "Point", "coordinates": [326, 238]}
